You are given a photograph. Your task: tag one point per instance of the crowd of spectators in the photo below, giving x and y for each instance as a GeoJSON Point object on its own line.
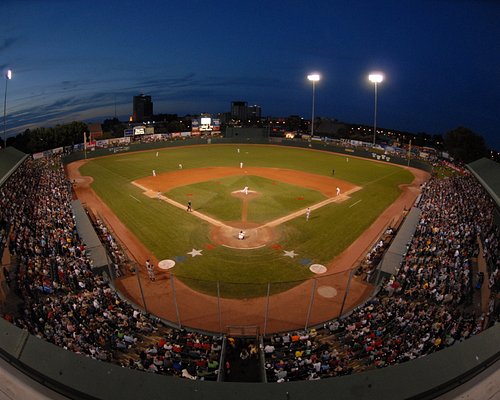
{"type": "Point", "coordinates": [177, 352]}
{"type": "Point", "coordinates": [491, 241]}
{"type": "Point", "coordinates": [424, 307]}
{"type": "Point", "coordinates": [306, 355]}
{"type": "Point", "coordinates": [64, 302]}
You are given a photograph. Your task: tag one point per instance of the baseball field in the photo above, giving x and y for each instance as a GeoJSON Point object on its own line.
{"type": "Point", "coordinates": [149, 191]}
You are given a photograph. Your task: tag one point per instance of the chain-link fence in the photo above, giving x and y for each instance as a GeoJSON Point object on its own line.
{"type": "Point", "coordinates": [272, 307]}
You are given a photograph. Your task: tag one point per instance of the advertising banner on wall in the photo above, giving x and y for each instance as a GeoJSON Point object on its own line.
{"type": "Point", "coordinates": [102, 143]}
{"type": "Point", "coordinates": [195, 126]}
{"type": "Point", "coordinates": [216, 125]}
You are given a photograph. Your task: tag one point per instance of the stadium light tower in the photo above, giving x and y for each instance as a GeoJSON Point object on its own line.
{"type": "Point", "coordinates": [313, 78]}
{"type": "Point", "coordinates": [8, 77]}
{"type": "Point", "coordinates": [375, 78]}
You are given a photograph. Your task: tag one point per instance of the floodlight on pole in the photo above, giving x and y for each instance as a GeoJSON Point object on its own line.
{"type": "Point", "coordinates": [8, 77]}
{"type": "Point", "coordinates": [313, 78]}
{"type": "Point", "coordinates": [375, 78]}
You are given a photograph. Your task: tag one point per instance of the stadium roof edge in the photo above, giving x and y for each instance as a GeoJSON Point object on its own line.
{"type": "Point", "coordinates": [10, 160]}
{"type": "Point", "coordinates": [487, 172]}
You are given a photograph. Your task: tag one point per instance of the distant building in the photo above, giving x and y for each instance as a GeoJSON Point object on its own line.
{"type": "Point", "coordinates": [254, 112]}
{"type": "Point", "coordinates": [143, 109]}
{"type": "Point", "coordinates": [239, 110]}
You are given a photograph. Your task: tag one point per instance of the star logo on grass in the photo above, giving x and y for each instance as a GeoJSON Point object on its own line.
{"type": "Point", "coordinates": [194, 253]}
{"type": "Point", "coordinates": [290, 254]}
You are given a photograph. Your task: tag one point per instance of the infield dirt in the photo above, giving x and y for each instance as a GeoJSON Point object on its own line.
{"type": "Point", "coordinates": [225, 233]}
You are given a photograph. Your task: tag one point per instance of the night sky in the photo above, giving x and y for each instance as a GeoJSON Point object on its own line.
{"type": "Point", "coordinates": [79, 60]}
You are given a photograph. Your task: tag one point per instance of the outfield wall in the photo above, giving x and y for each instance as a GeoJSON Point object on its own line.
{"type": "Point", "coordinates": [80, 377]}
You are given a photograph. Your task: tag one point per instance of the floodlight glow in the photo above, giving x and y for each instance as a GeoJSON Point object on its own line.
{"type": "Point", "coordinates": [9, 74]}
{"type": "Point", "coordinates": [376, 78]}
{"type": "Point", "coordinates": [314, 77]}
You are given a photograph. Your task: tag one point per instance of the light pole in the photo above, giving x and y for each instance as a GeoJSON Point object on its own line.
{"type": "Point", "coordinates": [8, 77]}
{"type": "Point", "coordinates": [313, 78]}
{"type": "Point", "coordinates": [375, 78]}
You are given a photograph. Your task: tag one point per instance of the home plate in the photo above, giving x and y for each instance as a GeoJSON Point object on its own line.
{"type": "Point", "coordinates": [166, 264]}
{"type": "Point", "coordinates": [327, 291]}
{"type": "Point", "coordinates": [318, 268]}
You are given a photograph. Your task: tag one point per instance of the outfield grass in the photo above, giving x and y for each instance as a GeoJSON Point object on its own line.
{"type": "Point", "coordinates": [170, 232]}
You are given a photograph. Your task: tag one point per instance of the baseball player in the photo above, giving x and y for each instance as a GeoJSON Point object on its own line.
{"type": "Point", "coordinates": [338, 190]}
{"type": "Point", "coordinates": [189, 208]}
{"type": "Point", "coordinates": [151, 271]}
{"type": "Point", "coordinates": [308, 213]}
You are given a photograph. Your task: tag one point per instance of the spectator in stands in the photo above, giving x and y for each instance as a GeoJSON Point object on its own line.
{"type": "Point", "coordinates": [64, 302]}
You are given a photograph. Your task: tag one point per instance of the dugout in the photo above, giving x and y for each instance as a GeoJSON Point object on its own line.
{"type": "Point", "coordinates": [394, 255]}
{"type": "Point", "coordinates": [95, 249]}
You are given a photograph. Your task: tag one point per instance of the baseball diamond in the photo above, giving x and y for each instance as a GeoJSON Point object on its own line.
{"type": "Point", "coordinates": [220, 279]}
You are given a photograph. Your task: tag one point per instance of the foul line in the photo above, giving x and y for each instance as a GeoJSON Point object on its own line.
{"type": "Point", "coordinates": [274, 223]}
{"type": "Point", "coordinates": [352, 205]}
{"type": "Point", "coordinates": [135, 198]}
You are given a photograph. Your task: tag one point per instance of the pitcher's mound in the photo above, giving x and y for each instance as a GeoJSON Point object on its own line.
{"type": "Point", "coordinates": [240, 194]}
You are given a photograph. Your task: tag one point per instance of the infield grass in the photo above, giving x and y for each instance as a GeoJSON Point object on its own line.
{"type": "Point", "coordinates": [274, 199]}
{"type": "Point", "coordinates": [170, 232]}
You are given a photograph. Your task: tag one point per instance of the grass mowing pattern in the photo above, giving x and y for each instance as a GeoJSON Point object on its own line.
{"type": "Point", "coordinates": [168, 231]}
{"type": "Point", "coordinates": [276, 199]}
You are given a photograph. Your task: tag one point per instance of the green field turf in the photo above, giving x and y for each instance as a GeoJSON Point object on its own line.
{"type": "Point", "coordinates": [170, 232]}
{"type": "Point", "coordinates": [276, 199]}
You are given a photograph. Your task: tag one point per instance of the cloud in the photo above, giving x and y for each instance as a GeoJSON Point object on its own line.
{"type": "Point", "coordinates": [7, 43]}
{"type": "Point", "coordinates": [69, 100]}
